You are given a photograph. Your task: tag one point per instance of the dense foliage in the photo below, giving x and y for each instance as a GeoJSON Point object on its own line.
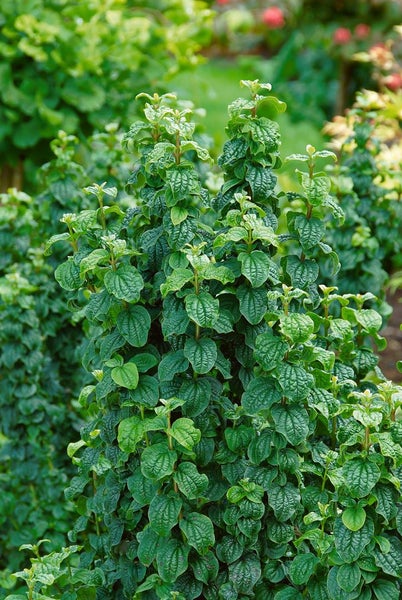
{"type": "Point", "coordinates": [41, 374]}
{"type": "Point", "coordinates": [241, 440]}
{"type": "Point", "coordinates": [77, 66]}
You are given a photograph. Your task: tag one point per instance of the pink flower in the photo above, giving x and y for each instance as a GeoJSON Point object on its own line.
{"type": "Point", "coordinates": [362, 31]}
{"type": "Point", "coordinates": [342, 36]}
{"type": "Point", "coordinates": [222, 2]}
{"type": "Point", "coordinates": [273, 17]}
{"type": "Point", "coordinates": [393, 82]}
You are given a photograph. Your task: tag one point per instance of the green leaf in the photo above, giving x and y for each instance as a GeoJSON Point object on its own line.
{"type": "Point", "coordinates": [350, 544]}
{"type": "Point", "coordinates": [245, 573]}
{"type": "Point", "coordinates": [386, 505]}
{"type": "Point", "coordinates": [348, 577]}
{"type": "Point", "coordinates": [171, 364]}
{"type": "Point", "coordinates": [147, 392]}
{"type": "Point", "coordinates": [134, 323]}
{"type": "Point", "coordinates": [264, 131]}
{"type": "Point", "coordinates": [260, 447]}
{"type": "Point", "coordinates": [124, 283]}
{"type": "Point", "coordinates": [178, 214]}
{"type": "Point", "coordinates": [205, 567]}
{"type": "Point", "coordinates": [270, 350]}
{"type": "Point", "coordinates": [184, 432]}
{"type": "Point", "coordinates": [130, 432]}
{"type": "Point", "coordinates": [163, 513]}
{"type": "Point", "coordinates": [67, 275]}
{"type": "Point", "coordinates": [157, 461]}
{"type": "Point", "coordinates": [296, 383]}
{"type": "Point", "coordinates": [201, 353]}
{"type": "Point", "coordinates": [316, 189]}
{"type": "Point", "coordinates": [202, 308]}
{"type": "Point", "coordinates": [229, 549]}
{"type": "Point", "coordinates": [284, 501]}
{"type": "Point", "coordinates": [148, 546]}
{"type": "Point", "coordinates": [172, 560]}
{"type": "Point", "coordinates": [93, 259]}
{"type": "Point", "coordinates": [190, 482]}
{"type": "Point", "coordinates": [176, 281]}
{"type": "Point", "coordinates": [310, 231]}
{"type": "Point", "coordinates": [144, 361]}
{"type": "Point", "coordinates": [199, 531]}
{"type": "Point", "coordinates": [260, 394]}
{"type": "Point", "coordinates": [386, 590]}
{"type": "Point", "coordinates": [257, 267]}
{"type": "Point", "coordinates": [197, 395]}
{"type": "Point", "coordinates": [302, 272]}
{"type": "Point", "coordinates": [252, 303]}
{"type": "Point", "coordinates": [297, 327]}
{"type": "Point", "coordinates": [361, 475]}
{"type": "Point", "coordinates": [126, 375]}
{"type": "Point", "coordinates": [302, 568]}
{"type": "Point", "coordinates": [292, 421]}
{"type": "Point", "coordinates": [354, 517]}
{"type": "Point", "coordinates": [390, 562]}
{"type": "Point", "coordinates": [370, 319]}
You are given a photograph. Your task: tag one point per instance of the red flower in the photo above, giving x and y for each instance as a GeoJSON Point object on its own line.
{"type": "Point", "coordinates": [393, 81]}
{"type": "Point", "coordinates": [273, 17]}
{"type": "Point", "coordinates": [222, 2]}
{"type": "Point", "coordinates": [362, 31]}
{"type": "Point", "coordinates": [342, 36]}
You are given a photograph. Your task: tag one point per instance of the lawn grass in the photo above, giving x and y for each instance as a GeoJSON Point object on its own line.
{"type": "Point", "coordinates": [216, 83]}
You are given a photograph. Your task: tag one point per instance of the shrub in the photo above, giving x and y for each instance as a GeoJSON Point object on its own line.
{"type": "Point", "coordinates": [242, 442]}
{"type": "Point", "coordinates": [76, 66]}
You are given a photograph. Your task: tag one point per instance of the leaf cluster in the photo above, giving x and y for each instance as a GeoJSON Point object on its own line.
{"type": "Point", "coordinates": [241, 440]}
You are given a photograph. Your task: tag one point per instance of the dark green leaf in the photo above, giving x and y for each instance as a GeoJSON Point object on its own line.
{"type": "Point", "coordinates": [163, 513]}
{"type": "Point", "coordinates": [134, 323]}
{"type": "Point", "coordinates": [201, 353]}
{"type": "Point", "coordinates": [157, 461]}
{"type": "Point", "coordinates": [172, 560]}
{"type": "Point", "coordinates": [124, 283]}
{"type": "Point", "coordinates": [199, 531]}
{"type": "Point", "coordinates": [202, 308]}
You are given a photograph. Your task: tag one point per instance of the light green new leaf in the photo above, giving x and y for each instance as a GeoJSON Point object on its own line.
{"type": "Point", "coordinates": [201, 353]}
{"type": "Point", "coordinates": [176, 280]}
{"type": "Point", "coordinates": [93, 259]}
{"type": "Point", "coordinates": [178, 214]}
{"type": "Point", "coordinates": [130, 432]}
{"type": "Point", "coordinates": [134, 323]}
{"type": "Point", "coordinates": [199, 531]}
{"type": "Point", "coordinates": [354, 517]}
{"type": "Point", "coordinates": [163, 513]}
{"type": "Point", "coordinates": [184, 432]}
{"type": "Point", "coordinates": [124, 283]}
{"type": "Point", "coordinates": [202, 308]}
{"type": "Point", "coordinates": [157, 461]}
{"type": "Point", "coordinates": [297, 327]}
{"type": "Point", "coordinates": [126, 375]}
